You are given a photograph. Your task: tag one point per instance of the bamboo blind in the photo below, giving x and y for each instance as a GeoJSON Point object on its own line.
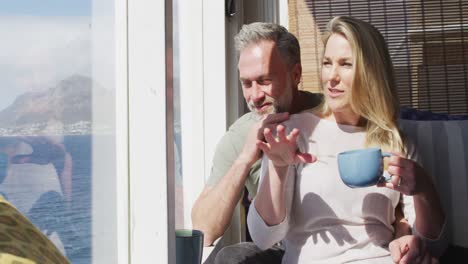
{"type": "Point", "coordinates": [427, 40]}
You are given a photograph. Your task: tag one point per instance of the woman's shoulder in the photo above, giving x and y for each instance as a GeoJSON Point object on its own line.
{"type": "Point", "coordinates": [307, 122]}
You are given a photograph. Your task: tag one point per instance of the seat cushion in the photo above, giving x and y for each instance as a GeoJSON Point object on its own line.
{"type": "Point", "coordinates": [21, 242]}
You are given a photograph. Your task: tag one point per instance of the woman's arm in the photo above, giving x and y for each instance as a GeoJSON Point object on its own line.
{"type": "Point", "coordinates": [270, 201]}
{"type": "Point", "coordinates": [422, 206]}
{"type": "Point", "coordinates": [268, 217]}
{"type": "Point", "coordinates": [409, 178]}
{"type": "Point", "coordinates": [401, 225]}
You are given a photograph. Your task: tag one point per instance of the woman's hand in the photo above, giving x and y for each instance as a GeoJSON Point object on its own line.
{"type": "Point", "coordinates": [282, 150]}
{"type": "Point", "coordinates": [408, 177]}
{"type": "Point", "coordinates": [410, 249]}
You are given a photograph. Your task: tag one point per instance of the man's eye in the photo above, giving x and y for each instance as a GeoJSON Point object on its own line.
{"type": "Point", "coordinates": [246, 84]}
{"type": "Point", "coordinates": [264, 82]}
{"type": "Point", "coordinates": [326, 63]}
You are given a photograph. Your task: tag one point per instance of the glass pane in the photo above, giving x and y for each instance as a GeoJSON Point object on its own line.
{"type": "Point", "coordinates": [179, 191]}
{"type": "Point", "coordinates": [56, 69]}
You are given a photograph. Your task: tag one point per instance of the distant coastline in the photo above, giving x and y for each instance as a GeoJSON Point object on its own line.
{"type": "Point", "coordinates": [79, 128]}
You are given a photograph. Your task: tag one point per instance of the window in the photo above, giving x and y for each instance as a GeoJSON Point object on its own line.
{"type": "Point", "coordinates": [199, 97]}
{"type": "Point", "coordinates": [57, 122]}
{"type": "Point", "coordinates": [426, 40]}
{"type": "Point", "coordinates": [89, 83]}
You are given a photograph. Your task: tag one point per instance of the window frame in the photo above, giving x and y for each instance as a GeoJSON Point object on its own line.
{"type": "Point", "coordinates": [110, 184]}
{"type": "Point", "coordinates": [151, 198]}
{"type": "Point", "coordinates": [151, 183]}
{"type": "Point", "coordinates": [202, 92]}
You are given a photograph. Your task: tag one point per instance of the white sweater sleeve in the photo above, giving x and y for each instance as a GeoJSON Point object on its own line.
{"type": "Point", "coordinates": [263, 235]}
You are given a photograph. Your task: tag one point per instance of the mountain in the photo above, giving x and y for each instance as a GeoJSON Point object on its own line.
{"type": "Point", "coordinates": [63, 109]}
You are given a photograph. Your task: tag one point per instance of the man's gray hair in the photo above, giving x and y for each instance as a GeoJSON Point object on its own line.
{"type": "Point", "coordinates": [253, 33]}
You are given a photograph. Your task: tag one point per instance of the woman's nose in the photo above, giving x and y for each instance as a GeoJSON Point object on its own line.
{"type": "Point", "coordinates": [333, 75]}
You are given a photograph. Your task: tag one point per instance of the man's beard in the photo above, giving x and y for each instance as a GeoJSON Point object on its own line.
{"type": "Point", "coordinates": [283, 104]}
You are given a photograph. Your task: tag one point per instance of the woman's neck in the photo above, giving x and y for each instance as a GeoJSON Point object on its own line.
{"type": "Point", "coordinates": [344, 118]}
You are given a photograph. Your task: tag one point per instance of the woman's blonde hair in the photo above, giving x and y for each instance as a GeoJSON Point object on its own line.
{"type": "Point", "coordinates": [373, 94]}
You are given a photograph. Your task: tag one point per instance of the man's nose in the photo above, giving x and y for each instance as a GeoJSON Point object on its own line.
{"type": "Point", "coordinates": [257, 92]}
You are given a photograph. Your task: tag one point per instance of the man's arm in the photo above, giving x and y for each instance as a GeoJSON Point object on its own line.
{"type": "Point", "coordinates": [213, 210]}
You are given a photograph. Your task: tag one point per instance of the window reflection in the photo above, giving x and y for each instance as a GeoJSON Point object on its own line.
{"type": "Point", "coordinates": [46, 125]}
{"type": "Point", "coordinates": [47, 179]}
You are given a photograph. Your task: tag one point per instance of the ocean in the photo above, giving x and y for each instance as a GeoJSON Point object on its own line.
{"type": "Point", "coordinates": [34, 189]}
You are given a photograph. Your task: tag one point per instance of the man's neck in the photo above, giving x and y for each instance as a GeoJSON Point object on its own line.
{"type": "Point", "coordinates": [298, 102]}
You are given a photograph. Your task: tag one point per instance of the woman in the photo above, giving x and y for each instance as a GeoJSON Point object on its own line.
{"type": "Point", "coordinates": [301, 199]}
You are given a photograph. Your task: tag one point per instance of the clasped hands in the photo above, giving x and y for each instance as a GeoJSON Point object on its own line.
{"type": "Point", "coordinates": [410, 249]}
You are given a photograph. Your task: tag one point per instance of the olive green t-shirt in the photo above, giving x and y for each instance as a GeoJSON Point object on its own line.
{"type": "Point", "coordinates": [229, 148]}
{"type": "Point", "coordinates": [231, 144]}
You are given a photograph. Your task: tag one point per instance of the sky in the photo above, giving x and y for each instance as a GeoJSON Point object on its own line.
{"type": "Point", "coordinates": [43, 42]}
{"type": "Point", "coordinates": [46, 7]}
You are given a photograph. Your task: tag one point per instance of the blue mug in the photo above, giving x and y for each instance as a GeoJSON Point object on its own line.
{"type": "Point", "coordinates": [362, 167]}
{"type": "Point", "coordinates": [189, 246]}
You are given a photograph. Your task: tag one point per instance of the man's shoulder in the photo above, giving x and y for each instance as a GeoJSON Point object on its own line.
{"type": "Point", "coordinates": [235, 135]}
{"type": "Point", "coordinates": [243, 122]}
{"type": "Point", "coordinates": [229, 147]}
{"type": "Point", "coordinates": [312, 98]}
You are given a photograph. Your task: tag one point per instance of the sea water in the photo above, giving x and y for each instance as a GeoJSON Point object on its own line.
{"type": "Point", "coordinates": [72, 224]}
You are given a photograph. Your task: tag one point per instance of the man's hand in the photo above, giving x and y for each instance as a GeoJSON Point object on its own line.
{"type": "Point", "coordinates": [410, 249]}
{"type": "Point", "coordinates": [250, 152]}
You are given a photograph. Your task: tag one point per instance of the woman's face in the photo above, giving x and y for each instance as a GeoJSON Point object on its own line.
{"type": "Point", "coordinates": [337, 73]}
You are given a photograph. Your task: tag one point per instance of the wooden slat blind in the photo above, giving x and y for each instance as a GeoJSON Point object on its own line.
{"type": "Point", "coordinates": [427, 39]}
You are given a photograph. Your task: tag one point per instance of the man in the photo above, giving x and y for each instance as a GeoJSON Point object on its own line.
{"type": "Point", "coordinates": [269, 71]}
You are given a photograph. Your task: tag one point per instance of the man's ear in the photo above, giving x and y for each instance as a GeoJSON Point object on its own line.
{"type": "Point", "coordinates": [297, 73]}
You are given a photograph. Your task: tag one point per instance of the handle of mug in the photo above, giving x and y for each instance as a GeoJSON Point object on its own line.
{"type": "Point", "coordinates": [386, 155]}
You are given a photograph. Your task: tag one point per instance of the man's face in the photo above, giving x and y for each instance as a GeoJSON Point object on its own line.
{"type": "Point", "coordinates": [266, 79]}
